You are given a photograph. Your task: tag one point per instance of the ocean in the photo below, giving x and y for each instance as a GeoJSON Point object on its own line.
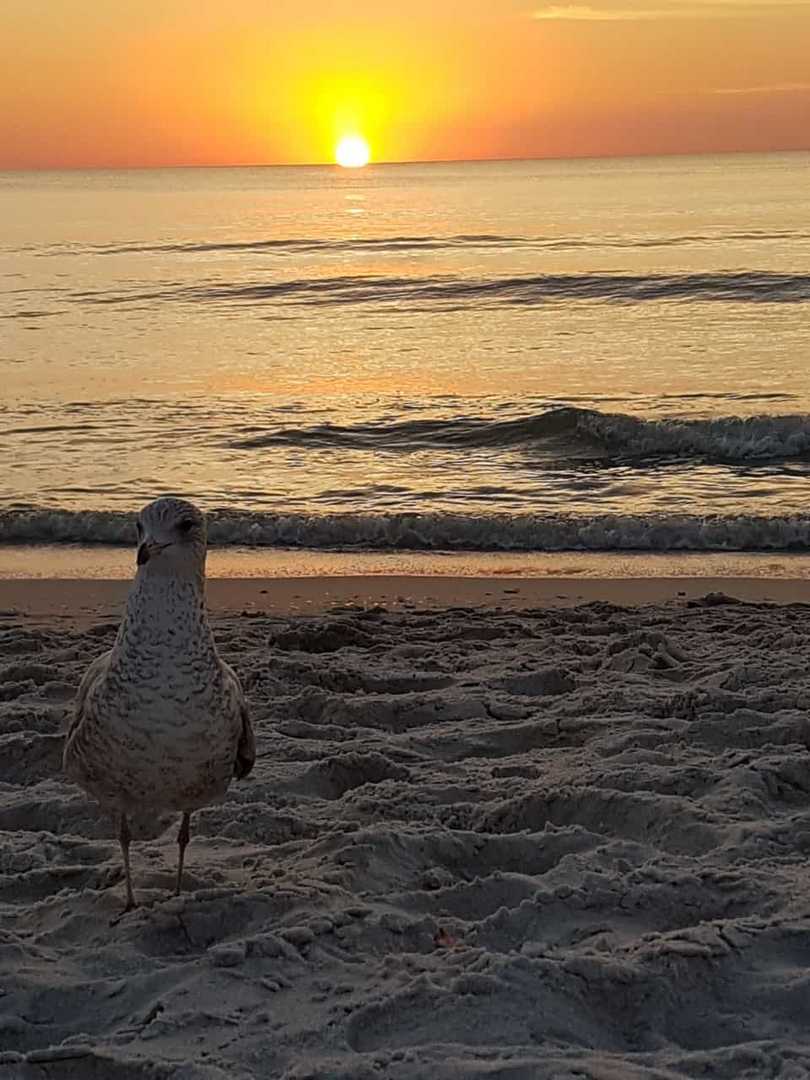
{"type": "Point", "coordinates": [602, 355]}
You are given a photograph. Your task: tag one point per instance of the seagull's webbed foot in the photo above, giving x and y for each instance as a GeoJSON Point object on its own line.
{"type": "Point", "coordinates": [117, 918]}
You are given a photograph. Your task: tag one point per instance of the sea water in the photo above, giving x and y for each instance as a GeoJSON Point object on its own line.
{"type": "Point", "coordinates": [519, 356]}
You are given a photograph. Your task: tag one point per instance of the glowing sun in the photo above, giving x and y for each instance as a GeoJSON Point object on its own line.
{"type": "Point", "coordinates": [352, 152]}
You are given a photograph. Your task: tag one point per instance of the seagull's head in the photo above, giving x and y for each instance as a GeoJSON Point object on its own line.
{"type": "Point", "coordinates": [171, 538]}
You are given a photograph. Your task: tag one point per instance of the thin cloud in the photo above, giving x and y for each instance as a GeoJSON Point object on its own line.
{"type": "Point", "coordinates": [779, 88]}
{"type": "Point", "coordinates": [712, 9]}
{"type": "Point", "coordinates": [577, 13]}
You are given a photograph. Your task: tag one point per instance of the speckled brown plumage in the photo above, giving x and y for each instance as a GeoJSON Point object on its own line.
{"type": "Point", "coordinates": [160, 721]}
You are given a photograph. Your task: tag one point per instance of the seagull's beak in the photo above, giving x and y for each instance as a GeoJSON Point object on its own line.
{"type": "Point", "coordinates": [147, 550]}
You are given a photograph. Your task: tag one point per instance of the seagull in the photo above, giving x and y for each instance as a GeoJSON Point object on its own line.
{"type": "Point", "coordinates": [160, 721]}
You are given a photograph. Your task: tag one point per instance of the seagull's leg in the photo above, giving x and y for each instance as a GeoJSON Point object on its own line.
{"type": "Point", "coordinates": [123, 839]}
{"type": "Point", "coordinates": [182, 839]}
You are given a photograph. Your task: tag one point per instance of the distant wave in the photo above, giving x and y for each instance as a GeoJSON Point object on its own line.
{"type": "Point", "coordinates": [723, 439]}
{"type": "Point", "coordinates": [303, 245]}
{"type": "Point", "coordinates": [450, 291]}
{"type": "Point", "coordinates": [435, 531]}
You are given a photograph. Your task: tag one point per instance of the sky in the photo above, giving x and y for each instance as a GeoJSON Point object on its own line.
{"type": "Point", "coordinates": [118, 83]}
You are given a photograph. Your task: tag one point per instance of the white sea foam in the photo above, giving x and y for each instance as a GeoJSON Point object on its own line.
{"type": "Point", "coordinates": [436, 531]}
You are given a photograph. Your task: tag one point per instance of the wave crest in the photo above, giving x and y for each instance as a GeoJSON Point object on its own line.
{"type": "Point", "coordinates": [435, 531]}
{"type": "Point", "coordinates": [722, 439]}
{"type": "Point", "coordinates": [314, 245]}
{"type": "Point", "coordinates": [448, 292]}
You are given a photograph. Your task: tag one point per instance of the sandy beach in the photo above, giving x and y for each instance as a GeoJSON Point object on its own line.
{"type": "Point", "coordinates": [522, 829]}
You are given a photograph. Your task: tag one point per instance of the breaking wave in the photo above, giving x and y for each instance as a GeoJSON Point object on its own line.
{"type": "Point", "coordinates": [722, 439]}
{"type": "Point", "coordinates": [434, 531]}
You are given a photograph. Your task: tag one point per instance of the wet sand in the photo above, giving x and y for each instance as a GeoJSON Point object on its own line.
{"type": "Point", "coordinates": [74, 600]}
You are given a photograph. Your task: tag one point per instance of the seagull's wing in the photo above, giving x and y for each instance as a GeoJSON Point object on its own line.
{"type": "Point", "coordinates": [246, 747]}
{"type": "Point", "coordinates": [96, 671]}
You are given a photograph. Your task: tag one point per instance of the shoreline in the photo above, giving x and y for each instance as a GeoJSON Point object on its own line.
{"type": "Point", "coordinates": [82, 601]}
{"type": "Point", "coordinates": [106, 563]}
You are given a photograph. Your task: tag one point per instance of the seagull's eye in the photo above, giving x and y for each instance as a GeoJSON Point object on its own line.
{"type": "Point", "coordinates": [185, 526]}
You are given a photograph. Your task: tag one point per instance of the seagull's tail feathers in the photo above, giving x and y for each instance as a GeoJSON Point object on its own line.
{"type": "Point", "coordinates": [246, 749]}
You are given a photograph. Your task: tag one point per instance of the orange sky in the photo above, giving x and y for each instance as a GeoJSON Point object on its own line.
{"type": "Point", "coordinates": [160, 82]}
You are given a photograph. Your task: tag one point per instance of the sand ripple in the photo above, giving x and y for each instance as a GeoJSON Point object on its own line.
{"type": "Point", "coordinates": [540, 844]}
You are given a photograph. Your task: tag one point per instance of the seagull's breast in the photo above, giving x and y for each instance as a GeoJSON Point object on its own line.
{"type": "Point", "coordinates": [170, 746]}
{"type": "Point", "coordinates": [161, 728]}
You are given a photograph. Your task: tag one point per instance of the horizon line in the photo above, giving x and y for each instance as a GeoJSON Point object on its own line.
{"type": "Point", "coordinates": [404, 162]}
